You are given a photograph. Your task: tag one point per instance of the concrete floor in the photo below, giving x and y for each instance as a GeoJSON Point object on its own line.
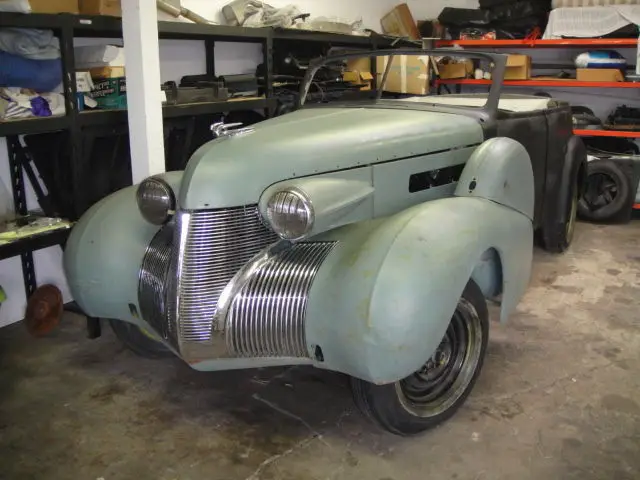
{"type": "Point", "coordinates": [559, 398]}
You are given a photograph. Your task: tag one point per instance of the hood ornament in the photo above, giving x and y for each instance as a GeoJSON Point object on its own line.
{"type": "Point", "coordinates": [221, 129]}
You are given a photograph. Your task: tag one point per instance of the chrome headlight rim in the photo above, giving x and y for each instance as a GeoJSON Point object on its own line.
{"type": "Point", "coordinates": [164, 210]}
{"type": "Point", "coordinates": [303, 200]}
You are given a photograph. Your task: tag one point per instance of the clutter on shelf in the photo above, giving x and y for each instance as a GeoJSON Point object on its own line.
{"type": "Point", "coordinates": [624, 118]}
{"type": "Point", "coordinates": [253, 13]}
{"type": "Point", "coordinates": [497, 20]}
{"type": "Point", "coordinates": [600, 66]}
{"type": "Point", "coordinates": [21, 103]}
{"type": "Point", "coordinates": [29, 226]}
{"type": "Point", "coordinates": [102, 68]}
{"type": "Point", "coordinates": [30, 71]}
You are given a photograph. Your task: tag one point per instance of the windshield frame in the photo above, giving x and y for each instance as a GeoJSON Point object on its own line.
{"type": "Point", "coordinates": [497, 74]}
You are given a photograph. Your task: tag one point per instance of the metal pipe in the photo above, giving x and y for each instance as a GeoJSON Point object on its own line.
{"type": "Point", "coordinates": [182, 12]}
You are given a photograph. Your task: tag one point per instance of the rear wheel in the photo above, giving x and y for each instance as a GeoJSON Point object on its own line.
{"type": "Point", "coordinates": [139, 341]}
{"type": "Point", "coordinates": [432, 394]}
{"type": "Point", "coordinates": [558, 239]}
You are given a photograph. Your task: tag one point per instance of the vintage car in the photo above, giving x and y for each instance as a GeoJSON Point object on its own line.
{"type": "Point", "coordinates": [360, 237]}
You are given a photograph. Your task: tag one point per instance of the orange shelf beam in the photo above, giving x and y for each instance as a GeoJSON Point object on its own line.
{"type": "Point", "coordinates": [606, 133]}
{"type": "Point", "coordinates": [565, 42]}
{"type": "Point", "coordinates": [542, 83]}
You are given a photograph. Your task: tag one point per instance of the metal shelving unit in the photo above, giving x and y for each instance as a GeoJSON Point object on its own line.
{"type": "Point", "coordinates": [540, 83]}
{"type": "Point", "coordinates": [556, 43]}
{"type": "Point", "coordinates": [606, 133]}
{"type": "Point", "coordinates": [67, 27]}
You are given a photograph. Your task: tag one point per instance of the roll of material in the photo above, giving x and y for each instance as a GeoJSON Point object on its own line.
{"type": "Point", "coordinates": [601, 59]}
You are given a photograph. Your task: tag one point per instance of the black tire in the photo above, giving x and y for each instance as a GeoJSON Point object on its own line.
{"type": "Point", "coordinates": [559, 238]}
{"type": "Point", "coordinates": [395, 407]}
{"type": "Point", "coordinates": [607, 192]}
{"type": "Point", "coordinates": [139, 342]}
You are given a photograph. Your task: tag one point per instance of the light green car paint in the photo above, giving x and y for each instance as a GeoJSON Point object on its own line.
{"type": "Point", "coordinates": [104, 253]}
{"type": "Point", "coordinates": [384, 296]}
{"type": "Point", "coordinates": [236, 170]}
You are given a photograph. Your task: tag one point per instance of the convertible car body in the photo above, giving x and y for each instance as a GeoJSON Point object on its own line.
{"type": "Point", "coordinates": [361, 238]}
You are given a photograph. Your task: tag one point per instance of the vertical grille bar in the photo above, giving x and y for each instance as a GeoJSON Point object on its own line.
{"type": "Point", "coordinates": [153, 278]}
{"type": "Point", "coordinates": [213, 246]}
{"type": "Point", "coordinates": [266, 318]}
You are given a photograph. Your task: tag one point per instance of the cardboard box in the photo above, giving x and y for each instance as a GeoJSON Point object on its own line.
{"type": "Point", "coordinates": [101, 7]}
{"type": "Point", "coordinates": [110, 93]}
{"type": "Point", "coordinates": [54, 6]}
{"type": "Point", "coordinates": [518, 67]}
{"type": "Point", "coordinates": [100, 73]}
{"type": "Point", "coordinates": [599, 75]}
{"type": "Point", "coordinates": [359, 78]}
{"type": "Point", "coordinates": [359, 72]}
{"type": "Point", "coordinates": [408, 74]}
{"type": "Point", "coordinates": [455, 70]}
{"type": "Point", "coordinates": [400, 22]}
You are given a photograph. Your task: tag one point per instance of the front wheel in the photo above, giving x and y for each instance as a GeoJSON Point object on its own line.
{"type": "Point", "coordinates": [139, 341]}
{"type": "Point", "coordinates": [432, 394]}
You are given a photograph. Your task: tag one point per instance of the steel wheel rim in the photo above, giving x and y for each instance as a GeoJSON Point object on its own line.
{"type": "Point", "coordinates": [601, 190]}
{"type": "Point", "coordinates": [446, 375]}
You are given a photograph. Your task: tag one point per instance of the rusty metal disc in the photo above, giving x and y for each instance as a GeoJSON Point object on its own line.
{"type": "Point", "coordinates": [44, 310]}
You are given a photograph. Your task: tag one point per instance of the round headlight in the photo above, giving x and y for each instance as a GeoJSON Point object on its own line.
{"type": "Point", "coordinates": [290, 214]}
{"type": "Point", "coordinates": [156, 200]}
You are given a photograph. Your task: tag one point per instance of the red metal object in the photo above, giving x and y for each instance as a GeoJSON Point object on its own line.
{"type": "Point", "coordinates": [44, 310]}
{"type": "Point", "coordinates": [606, 133]}
{"type": "Point", "coordinates": [541, 83]}
{"type": "Point", "coordinates": [636, 206]}
{"type": "Point", "coordinates": [565, 42]}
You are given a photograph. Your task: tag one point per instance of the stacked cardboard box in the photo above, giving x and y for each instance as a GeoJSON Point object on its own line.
{"type": "Point", "coordinates": [54, 6]}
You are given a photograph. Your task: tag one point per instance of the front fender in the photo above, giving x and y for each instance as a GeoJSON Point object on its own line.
{"type": "Point", "coordinates": [104, 252]}
{"type": "Point", "coordinates": [382, 301]}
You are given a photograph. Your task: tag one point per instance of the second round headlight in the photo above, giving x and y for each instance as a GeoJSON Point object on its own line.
{"type": "Point", "coordinates": [290, 214]}
{"type": "Point", "coordinates": [156, 200]}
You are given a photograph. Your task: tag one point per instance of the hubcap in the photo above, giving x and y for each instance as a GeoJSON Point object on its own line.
{"type": "Point", "coordinates": [602, 190]}
{"type": "Point", "coordinates": [445, 376]}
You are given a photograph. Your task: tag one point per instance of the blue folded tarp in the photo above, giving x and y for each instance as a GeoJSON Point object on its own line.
{"type": "Point", "coordinates": [38, 75]}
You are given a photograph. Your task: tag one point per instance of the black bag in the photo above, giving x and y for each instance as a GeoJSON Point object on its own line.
{"type": "Point", "coordinates": [490, 4]}
{"type": "Point", "coordinates": [516, 18]}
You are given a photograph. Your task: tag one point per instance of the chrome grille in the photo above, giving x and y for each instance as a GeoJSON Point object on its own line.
{"type": "Point", "coordinates": [153, 279]}
{"type": "Point", "coordinates": [266, 318]}
{"type": "Point", "coordinates": [213, 246]}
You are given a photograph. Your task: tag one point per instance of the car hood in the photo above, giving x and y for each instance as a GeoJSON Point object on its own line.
{"type": "Point", "coordinates": [235, 170]}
